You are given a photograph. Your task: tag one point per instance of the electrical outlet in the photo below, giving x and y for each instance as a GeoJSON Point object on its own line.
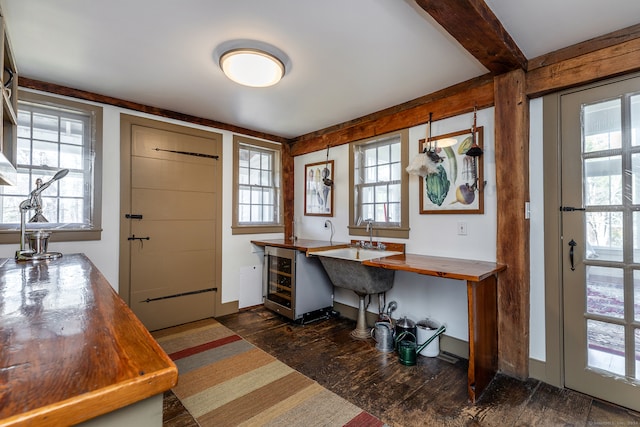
{"type": "Point", "coordinates": [462, 228]}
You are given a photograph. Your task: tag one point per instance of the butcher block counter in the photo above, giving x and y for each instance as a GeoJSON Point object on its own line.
{"type": "Point", "coordinates": [70, 348]}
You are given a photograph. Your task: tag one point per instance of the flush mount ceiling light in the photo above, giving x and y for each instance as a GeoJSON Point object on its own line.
{"type": "Point", "coordinates": [252, 67]}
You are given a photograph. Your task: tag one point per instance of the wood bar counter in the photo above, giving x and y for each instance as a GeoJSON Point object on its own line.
{"type": "Point", "coordinates": [70, 348]}
{"type": "Point", "coordinates": [481, 279]}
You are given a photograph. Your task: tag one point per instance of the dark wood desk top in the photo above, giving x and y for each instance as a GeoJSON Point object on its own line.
{"type": "Point", "coordinates": [70, 348]}
{"type": "Point", "coordinates": [451, 268]}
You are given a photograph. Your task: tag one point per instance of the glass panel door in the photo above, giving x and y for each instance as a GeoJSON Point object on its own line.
{"type": "Point", "coordinates": [601, 241]}
{"type": "Point", "coordinates": [279, 280]}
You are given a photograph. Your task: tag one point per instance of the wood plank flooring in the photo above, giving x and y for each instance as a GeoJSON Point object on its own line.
{"type": "Point", "coordinates": [432, 393]}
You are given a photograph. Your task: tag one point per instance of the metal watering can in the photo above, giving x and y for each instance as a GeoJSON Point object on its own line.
{"type": "Point", "coordinates": [408, 349]}
{"type": "Point", "coordinates": [383, 335]}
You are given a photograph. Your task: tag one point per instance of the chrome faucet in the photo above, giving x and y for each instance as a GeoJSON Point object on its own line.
{"type": "Point", "coordinates": [369, 228]}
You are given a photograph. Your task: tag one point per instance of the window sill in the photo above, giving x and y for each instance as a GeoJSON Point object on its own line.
{"type": "Point", "coordinates": [396, 232]}
{"type": "Point", "coordinates": [13, 236]}
{"type": "Point", "coordinates": [257, 229]}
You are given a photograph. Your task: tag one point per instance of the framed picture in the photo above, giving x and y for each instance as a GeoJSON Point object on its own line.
{"type": "Point", "coordinates": [318, 197]}
{"type": "Point", "coordinates": [455, 183]}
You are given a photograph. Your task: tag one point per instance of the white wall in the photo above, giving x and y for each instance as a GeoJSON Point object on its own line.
{"type": "Point", "coordinates": [417, 296]}
{"type": "Point", "coordinates": [537, 346]}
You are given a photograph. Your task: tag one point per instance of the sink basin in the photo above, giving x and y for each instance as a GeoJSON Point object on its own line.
{"type": "Point", "coordinates": [354, 254]}
{"type": "Point", "coordinates": [344, 268]}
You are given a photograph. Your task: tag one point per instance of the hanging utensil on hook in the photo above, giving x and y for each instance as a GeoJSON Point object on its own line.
{"type": "Point", "coordinates": [326, 173]}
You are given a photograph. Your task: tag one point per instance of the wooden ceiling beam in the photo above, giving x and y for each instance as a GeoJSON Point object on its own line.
{"type": "Point", "coordinates": [479, 31]}
{"type": "Point", "coordinates": [445, 103]}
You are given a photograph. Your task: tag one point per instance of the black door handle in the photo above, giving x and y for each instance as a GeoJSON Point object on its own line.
{"type": "Point", "coordinates": [572, 244]}
{"type": "Point", "coordinates": [140, 239]}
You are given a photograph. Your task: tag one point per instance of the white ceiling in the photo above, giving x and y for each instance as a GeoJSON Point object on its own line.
{"type": "Point", "coordinates": [346, 59]}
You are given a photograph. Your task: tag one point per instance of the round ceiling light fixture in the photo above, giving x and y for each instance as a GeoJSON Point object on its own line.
{"type": "Point", "coordinates": [252, 67]}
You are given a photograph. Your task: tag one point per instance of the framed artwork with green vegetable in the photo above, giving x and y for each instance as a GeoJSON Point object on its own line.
{"type": "Point", "coordinates": [453, 180]}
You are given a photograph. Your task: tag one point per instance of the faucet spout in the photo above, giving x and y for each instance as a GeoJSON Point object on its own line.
{"type": "Point", "coordinates": [370, 230]}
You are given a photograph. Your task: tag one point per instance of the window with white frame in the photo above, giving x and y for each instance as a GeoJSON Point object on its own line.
{"type": "Point", "coordinates": [379, 185]}
{"type": "Point", "coordinates": [257, 194]}
{"type": "Point", "coordinates": [55, 134]}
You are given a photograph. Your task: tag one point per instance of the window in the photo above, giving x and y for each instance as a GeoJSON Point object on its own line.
{"type": "Point", "coordinates": [55, 134]}
{"type": "Point", "coordinates": [379, 188]}
{"type": "Point", "coordinates": [256, 182]}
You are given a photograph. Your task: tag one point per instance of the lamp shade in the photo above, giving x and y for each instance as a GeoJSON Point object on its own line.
{"type": "Point", "coordinates": [252, 67]}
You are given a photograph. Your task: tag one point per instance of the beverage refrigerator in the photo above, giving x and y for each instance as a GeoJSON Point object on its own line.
{"type": "Point", "coordinates": [294, 285]}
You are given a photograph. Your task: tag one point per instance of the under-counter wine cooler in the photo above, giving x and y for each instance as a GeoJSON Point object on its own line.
{"type": "Point", "coordinates": [295, 285]}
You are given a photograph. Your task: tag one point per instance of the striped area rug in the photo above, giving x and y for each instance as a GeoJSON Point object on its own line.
{"type": "Point", "coordinates": [224, 380]}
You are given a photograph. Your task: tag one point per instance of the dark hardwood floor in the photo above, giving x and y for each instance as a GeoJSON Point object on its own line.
{"type": "Point", "coordinates": [432, 393]}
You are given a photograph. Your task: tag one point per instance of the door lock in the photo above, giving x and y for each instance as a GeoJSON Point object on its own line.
{"type": "Point", "coordinates": [140, 239]}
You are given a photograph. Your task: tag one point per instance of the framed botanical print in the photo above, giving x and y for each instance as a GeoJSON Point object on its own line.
{"type": "Point", "coordinates": [454, 183]}
{"type": "Point", "coordinates": [318, 197]}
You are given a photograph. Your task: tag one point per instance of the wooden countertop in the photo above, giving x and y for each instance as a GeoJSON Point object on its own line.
{"type": "Point", "coordinates": [70, 348]}
{"type": "Point", "coordinates": [452, 268]}
{"type": "Point", "coordinates": [300, 244]}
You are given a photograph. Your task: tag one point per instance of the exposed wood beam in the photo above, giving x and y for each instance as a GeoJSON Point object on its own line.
{"type": "Point", "coordinates": [479, 31]}
{"type": "Point", "coordinates": [512, 189]}
{"type": "Point", "coordinates": [602, 42]}
{"type": "Point", "coordinates": [449, 102]}
{"type": "Point", "coordinates": [288, 191]}
{"type": "Point", "coordinates": [116, 102]}
{"type": "Point", "coordinates": [589, 67]}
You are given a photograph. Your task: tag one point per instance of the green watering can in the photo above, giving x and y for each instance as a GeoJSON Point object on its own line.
{"type": "Point", "coordinates": [408, 349]}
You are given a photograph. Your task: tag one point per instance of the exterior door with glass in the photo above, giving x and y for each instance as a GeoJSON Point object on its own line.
{"type": "Point", "coordinates": [600, 196]}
